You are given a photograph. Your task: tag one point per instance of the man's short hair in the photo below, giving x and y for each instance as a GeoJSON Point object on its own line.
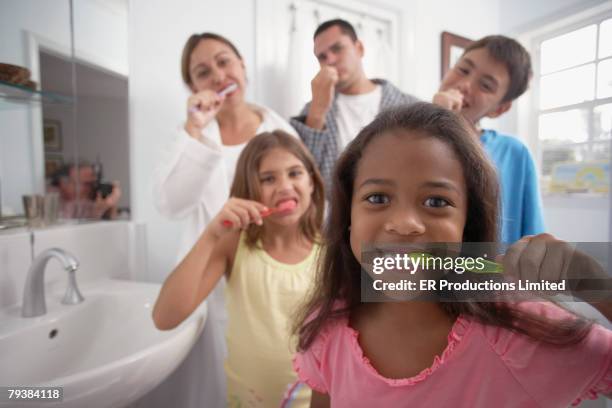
{"type": "Point", "coordinates": [344, 26]}
{"type": "Point", "coordinates": [514, 56]}
{"type": "Point", "coordinates": [63, 173]}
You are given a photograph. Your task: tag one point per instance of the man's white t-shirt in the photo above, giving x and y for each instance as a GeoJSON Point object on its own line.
{"type": "Point", "coordinates": [354, 113]}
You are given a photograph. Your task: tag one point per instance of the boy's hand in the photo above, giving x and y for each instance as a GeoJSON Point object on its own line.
{"type": "Point", "coordinates": [202, 107]}
{"type": "Point", "coordinates": [450, 99]}
{"type": "Point", "coordinates": [453, 100]}
{"type": "Point", "coordinates": [323, 89]}
{"type": "Point", "coordinates": [240, 213]}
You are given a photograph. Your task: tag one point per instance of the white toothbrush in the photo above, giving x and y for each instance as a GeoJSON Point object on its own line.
{"type": "Point", "coordinates": [228, 89]}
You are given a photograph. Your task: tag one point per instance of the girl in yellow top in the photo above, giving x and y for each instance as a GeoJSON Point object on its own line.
{"type": "Point", "coordinates": [269, 264]}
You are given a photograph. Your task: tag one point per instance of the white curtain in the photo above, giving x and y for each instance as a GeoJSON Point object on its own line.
{"type": "Point", "coordinates": [302, 66]}
{"type": "Point", "coordinates": [378, 61]}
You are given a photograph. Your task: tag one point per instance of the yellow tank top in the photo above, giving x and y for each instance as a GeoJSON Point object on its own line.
{"type": "Point", "coordinates": [261, 296]}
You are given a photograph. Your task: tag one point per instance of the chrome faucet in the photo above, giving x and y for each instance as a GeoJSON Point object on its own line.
{"type": "Point", "coordinates": [34, 293]}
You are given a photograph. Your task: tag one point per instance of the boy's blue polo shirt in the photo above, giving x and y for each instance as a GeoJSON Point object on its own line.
{"type": "Point", "coordinates": [521, 206]}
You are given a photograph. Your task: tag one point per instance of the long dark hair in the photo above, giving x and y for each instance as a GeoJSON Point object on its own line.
{"type": "Point", "coordinates": [338, 279]}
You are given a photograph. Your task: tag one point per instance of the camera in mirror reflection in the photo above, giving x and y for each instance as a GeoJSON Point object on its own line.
{"type": "Point", "coordinates": [83, 193]}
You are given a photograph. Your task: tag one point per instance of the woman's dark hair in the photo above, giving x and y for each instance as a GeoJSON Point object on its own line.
{"type": "Point", "coordinates": [338, 281]}
{"type": "Point", "coordinates": [192, 43]}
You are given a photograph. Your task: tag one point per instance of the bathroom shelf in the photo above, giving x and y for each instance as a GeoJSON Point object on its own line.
{"type": "Point", "coordinates": [12, 93]}
{"type": "Point", "coordinates": [13, 222]}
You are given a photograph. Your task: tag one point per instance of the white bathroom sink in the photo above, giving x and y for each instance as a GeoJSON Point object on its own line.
{"type": "Point", "coordinates": [104, 352]}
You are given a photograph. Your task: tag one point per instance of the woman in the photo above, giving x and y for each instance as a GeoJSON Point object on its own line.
{"type": "Point", "coordinates": [195, 182]}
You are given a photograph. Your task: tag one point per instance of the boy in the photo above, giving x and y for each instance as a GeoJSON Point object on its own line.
{"type": "Point", "coordinates": [491, 73]}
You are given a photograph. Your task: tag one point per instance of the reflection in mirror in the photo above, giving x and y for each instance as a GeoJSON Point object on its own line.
{"type": "Point", "coordinates": [96, 184]}
{"type": "Point", "coordinates": [25, 26]}
{"type": "Point", "coordinates": [64, 114]}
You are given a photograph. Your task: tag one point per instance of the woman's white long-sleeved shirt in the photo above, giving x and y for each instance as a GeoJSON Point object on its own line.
{"type": "Point", "coordinates": [194, 182]}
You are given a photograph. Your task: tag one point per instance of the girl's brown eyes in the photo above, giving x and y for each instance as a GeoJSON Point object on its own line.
{"type": "Point", "coordinates": [436, 202]}
{"type": "Point", "coordinates": [377, 198]}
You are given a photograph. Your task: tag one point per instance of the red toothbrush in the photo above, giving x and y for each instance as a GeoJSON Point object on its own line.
{"type": "Point", "coordinates": [284, 206]}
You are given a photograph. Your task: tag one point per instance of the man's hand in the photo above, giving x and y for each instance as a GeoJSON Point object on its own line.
{"type": "Point", "coordinates": [102, 205]}
{"type": "Point", "coordinates": [323, 89]}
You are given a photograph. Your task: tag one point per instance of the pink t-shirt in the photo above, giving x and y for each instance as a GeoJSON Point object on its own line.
{"type": "Point", "coordinates": [482, 366]}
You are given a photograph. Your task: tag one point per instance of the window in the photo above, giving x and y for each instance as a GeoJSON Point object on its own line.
{"type": "Point", "coordinates": [574, 96]}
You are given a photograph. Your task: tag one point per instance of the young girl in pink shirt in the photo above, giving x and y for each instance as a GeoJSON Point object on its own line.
{"type": "Point", "coordinates": [415, 176]}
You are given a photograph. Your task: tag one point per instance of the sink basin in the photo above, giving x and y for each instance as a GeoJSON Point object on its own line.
{"type": "Point", "coordinates": [104, 352]}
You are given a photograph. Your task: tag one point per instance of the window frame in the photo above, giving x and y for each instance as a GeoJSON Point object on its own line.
{"type": "Point", "coordinates": [532, 106]}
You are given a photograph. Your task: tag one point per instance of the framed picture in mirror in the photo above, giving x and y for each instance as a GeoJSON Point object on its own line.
{"type": "Point", "coordinates": [452, 48]}
{"type": "Point", "coordinates": [52, 135]}
{"type": "Point", "coordinates": [52, 164]}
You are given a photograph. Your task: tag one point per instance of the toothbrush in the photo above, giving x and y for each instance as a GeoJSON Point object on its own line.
{"type": "Point", "coordinates": [228, 89]}
{"type": "Point", "coordinates": [284, 206]}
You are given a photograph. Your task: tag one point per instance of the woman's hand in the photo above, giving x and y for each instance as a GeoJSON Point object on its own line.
{"type": "Point", "coordinates": [240, 213]}
{"type": "Point", "coordinates": [202, 107]}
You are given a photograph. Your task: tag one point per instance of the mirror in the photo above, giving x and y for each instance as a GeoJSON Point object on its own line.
{"type": "Point", "coordinates": [75, 114]}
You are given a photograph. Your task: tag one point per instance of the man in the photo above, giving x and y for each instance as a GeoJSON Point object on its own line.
{"type": "Point", "coordinates": [81, 195]}
{"type": "Point", "coordinates": [344, 100]}
{"type": "Point", "coordinates": [490, 75]}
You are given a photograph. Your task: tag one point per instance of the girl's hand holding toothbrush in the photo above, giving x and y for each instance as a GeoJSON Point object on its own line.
{"type": "Point", "coordinates": [235, 215]}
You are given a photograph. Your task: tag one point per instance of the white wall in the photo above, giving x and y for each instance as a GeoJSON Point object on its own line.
{"type": "Point", "coordinates": [515, 19]}
{"type": "Point", "coordinates": [470, 18]}
{"type": "Point", "coordinates": [577, 219]}
{"type": "Point", "coordinates": [15, 149]}
{"type": "Point", "coordinates": [158, 31]}
{"type": "Point", "coordinates": [101, 33]}
{"type": "Point", "coordinates": [51, 20]}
